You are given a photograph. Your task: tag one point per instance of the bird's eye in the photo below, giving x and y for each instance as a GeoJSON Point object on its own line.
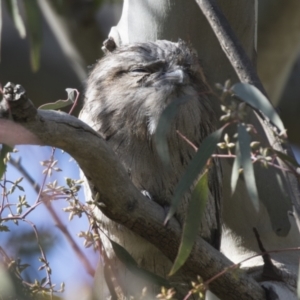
{"type": "Point", "coordinates": [139, 70]}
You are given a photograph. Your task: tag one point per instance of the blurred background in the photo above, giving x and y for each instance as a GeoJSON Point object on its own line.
{"type": "Point", "coordinates": [62, 41]}
{"type": "Point", "coordinates": [48, 46]}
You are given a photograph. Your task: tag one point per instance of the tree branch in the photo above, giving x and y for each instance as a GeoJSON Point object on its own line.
{"type": "Point", "coordinates": [123, 203]}
{"type": "Point", "coordinates": [230, 43]}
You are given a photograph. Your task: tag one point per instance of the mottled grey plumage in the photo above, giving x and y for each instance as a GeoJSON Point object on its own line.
{"type": "Point", "coordinates": [126, 93]}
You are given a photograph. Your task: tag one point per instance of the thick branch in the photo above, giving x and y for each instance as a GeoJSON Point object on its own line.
{"type": "Point", "coordinates": [123, 203]}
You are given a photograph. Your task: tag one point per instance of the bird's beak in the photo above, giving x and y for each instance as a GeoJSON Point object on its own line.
{"type": "Point", "coordinates": [176, 76]}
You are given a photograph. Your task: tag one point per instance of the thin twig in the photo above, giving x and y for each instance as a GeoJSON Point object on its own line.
{"type": "Point", "coordinates": [187, 140]}
{"type": "Point", "coordinates": [57, 220]}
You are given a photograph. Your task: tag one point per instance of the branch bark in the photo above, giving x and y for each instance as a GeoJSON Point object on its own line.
{"type": "Point", "coordinates": [123, 203]}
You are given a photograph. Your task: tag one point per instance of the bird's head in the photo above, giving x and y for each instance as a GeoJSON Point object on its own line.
{"type": "Point", "coordinates": [136, 82]}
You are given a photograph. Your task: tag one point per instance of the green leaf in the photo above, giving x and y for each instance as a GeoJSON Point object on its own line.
{"type": "Point", "coordinates": [56, 105]}
{"type": "Point", "coordinates": [4, 228]}
{"type": "Point", "coordinates": [43, 280]}
{"type": "Point", "coordinates": [194, 215]}
{"type": "Point", "coordinates": [163, 128]}
{"type": "Point", "coordinates": [23, 267]}
{"type": "Point", "coordinates": [152, 277]}
{"type": "Point", "coordinates": [61, 103]}
{"type": "Point", "coordinates": [286, 158]}
{"type": "Point", "coordinates": [235, 169]}
{"type": "Point", "coordinates": [4, 150]}
{"type": "Point", "coordinates": [34, 23]}
{"type": "Point", "coordinates": [14, 11]}
{"type": "Point", "coordinates": [20, 188]}
{"type": "Point", "coordinates": [248, 171]}
{"type": "Point", "coordinates": [133, 267]}
{"type": "Point", "coordinates": [194, 168]}
{"type": "Point", "coordinates": [124, 256]}
{"type": "Point", "coordinates": [254, 97]}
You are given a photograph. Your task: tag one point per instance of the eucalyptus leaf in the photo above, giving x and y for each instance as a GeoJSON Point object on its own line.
{"type": "Point", "coordinates": [255, 98]}
{"type": "Point", "coordinates": [235, 169]}
{"type": "Point", "coordinates": [152, 277]}
{"type": "Point", "coordinates": [61, 103]}
{"type": "Point", "coordinates": [34, 23]}
{"type": "Point", "coordinates": [14, 12]}
{"type": "Point", "coordinates": [4, 228]}
{"type": "Point", "coordinates": [133, 267]}
{"type": "Point", "coordinates": [124, 256]}
{"type": "Point", "coordinates": [286, 158]}
{"type": "Point", "coordinates": [194, 215]}
{"type": "Point", "coordinates": [56, 105]}
{"type": "Point", "coordinates": [248, 171]}
{"type": "Point", "coordinates": [163, 128]}
{"type": "Point", "coordinates": [194, 168]}
{"type": "Point", "coordinates": [283, 191]}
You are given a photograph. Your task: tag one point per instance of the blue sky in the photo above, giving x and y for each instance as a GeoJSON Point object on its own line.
{"type": "Point", "coordinates": [65, 265]}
